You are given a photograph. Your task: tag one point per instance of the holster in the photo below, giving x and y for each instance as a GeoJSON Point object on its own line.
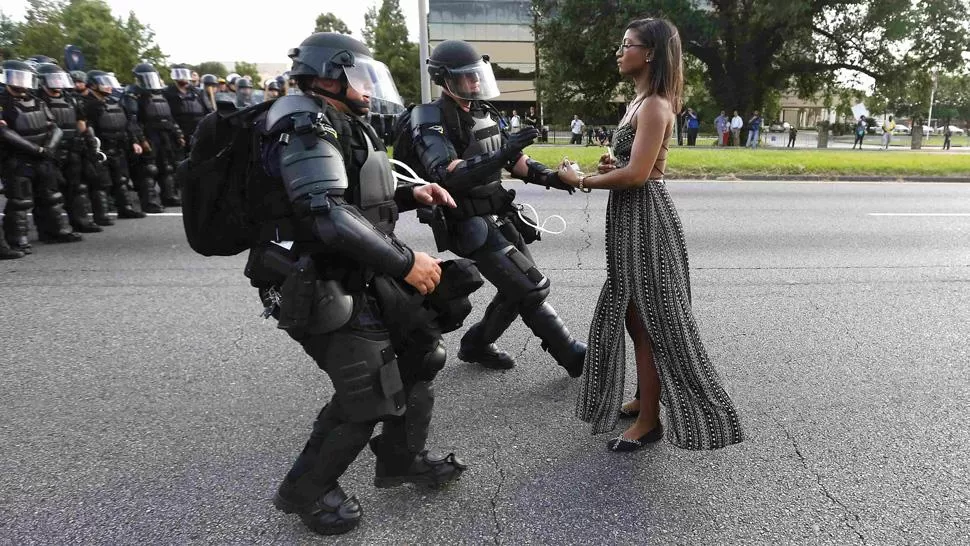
{"type": "Point", "coordinates": [309, 304]}
{"type": "Point", "coordinates": [434, 216]}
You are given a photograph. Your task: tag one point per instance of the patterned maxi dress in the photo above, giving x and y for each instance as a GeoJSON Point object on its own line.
{"type": "Point", "coordinates": [646, 259]}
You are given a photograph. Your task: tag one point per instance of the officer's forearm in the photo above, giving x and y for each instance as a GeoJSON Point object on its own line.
{"type": "Point", "coordinates": [469, 173]}
{"type": "Point", "coordinates": [12, 139]}
{"type": "Point", "coordinates": [54, 139]}
{"type": "Point", "coordinates": [346, 231]}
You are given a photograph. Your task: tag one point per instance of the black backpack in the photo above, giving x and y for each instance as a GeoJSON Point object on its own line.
{"type": "Point", "coordinates": [213, 182]}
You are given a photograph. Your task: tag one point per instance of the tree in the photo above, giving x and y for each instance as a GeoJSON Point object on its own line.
{"type": "Point", "coordinates": [751, 47]}
{"type": "Point", "coordinates": [328, 22]}
{"type": "Point", "coordinates": [248, 69]}
{"type": "Point", "coordinates": [109, 43]}
{"type": "Point", "coordinates": [212, 67]}
{"type": "Point", "coordinates": [11, 35]}
{"type": "Point", "coordinates": [386, 34]}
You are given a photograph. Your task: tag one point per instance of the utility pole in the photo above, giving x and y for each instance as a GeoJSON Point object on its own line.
{"type": "Point", "coordinates": [423, 50]}
{"type": "Point", "coordinates": [935, 75]}
{"type": "Point", "coordinates": [535, 44]}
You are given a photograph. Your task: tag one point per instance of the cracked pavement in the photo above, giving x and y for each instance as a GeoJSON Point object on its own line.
{"type": "Point", "coordinates": [144, 400]}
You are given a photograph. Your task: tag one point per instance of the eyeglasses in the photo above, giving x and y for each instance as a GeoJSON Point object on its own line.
{"type": "Point", "coordinates": [624, 47]}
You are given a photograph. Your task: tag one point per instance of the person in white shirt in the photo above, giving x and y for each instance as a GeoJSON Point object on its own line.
{"type": "Point", "coordinates": [736, 124]}
{"type": "Point", "coordinates": [576, 126]}
{"type": "Point", "coordinates": [515, 123]}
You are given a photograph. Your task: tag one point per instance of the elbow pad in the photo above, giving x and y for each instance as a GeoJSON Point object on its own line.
{"type": "Point", "coordinates": [433, 148]}
{"type": "Point", "coordinates": [347, 231]}
{"type": "Point", "coordinates": [11, 138]}
{"type": "Point", "coordinates": [544, 176]}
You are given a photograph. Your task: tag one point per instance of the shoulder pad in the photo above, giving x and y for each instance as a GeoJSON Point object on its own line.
{"type": "Point", "coordinates": [284, 107]}
{"type": "Point", "coordinates": [425, 114]}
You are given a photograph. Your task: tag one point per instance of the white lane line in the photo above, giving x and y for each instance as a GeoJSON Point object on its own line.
{"type": "Point", "coordinates": [919, 214]}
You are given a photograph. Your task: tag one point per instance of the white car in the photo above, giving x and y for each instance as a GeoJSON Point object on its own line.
{"type": "Point", "coordinates": [901, 129]}
{"type": "Point", "coordinates": [954, 130]}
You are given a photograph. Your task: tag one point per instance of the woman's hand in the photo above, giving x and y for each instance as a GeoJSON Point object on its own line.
{"type": "Point", "coordinates": [567, 174]}
{"type": "Point", "coordinates": [607, 163]}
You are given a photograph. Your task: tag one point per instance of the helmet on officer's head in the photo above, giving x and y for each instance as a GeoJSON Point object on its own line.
{"type": "Point", "coordinates": [53, 77]}
{"type": "Point", "coordinates": [146, 77]}
{"type": "Point", "coordinates": [335, 56]}
{"type": "Point", "coordinates": [79, 76]}
{"type": "Point", "coordinates": [19, 74]}
{"type": "Point", "coordinates": [231, 79]}
{"type": "Point", "coordinates": [181, 73]}
{"type": "Point", "coordinates": [209, 79]}
{"type": "Point", "coordinates": [102, 81]}
{"type": "Point", "coordinates": [455, 66]}
{"type": "Point", "coordinates": [272, 85]}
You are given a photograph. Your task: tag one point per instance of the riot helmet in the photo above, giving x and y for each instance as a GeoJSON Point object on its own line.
{"type": "Point", "coordinates": [102, 82]}
{"type": "Point", "coordinates": [42, 59]}
{"type": "Point", "coordinates": [79, 76]}
{"type": "Point", "coordinates": [334, 56]}
{"type": "Point", "coordinates": [209, 79]}
{"type": "Point", "coordinates": [231, 81]}
{"type": "Point", "coordinates": [455, 66]}
{"type": "Point", "coordinates": [146, 77]}
{"type": "Point", "coordinates": [244, 89]}
{"type": "Point", "coordinates": [181, 73]}
{"type": "Point", "coordinates": [53, 78]}
{"type": "Point", "coordinates": [19, 75]}
{"type": "Point", "coordinates": [272, 85]}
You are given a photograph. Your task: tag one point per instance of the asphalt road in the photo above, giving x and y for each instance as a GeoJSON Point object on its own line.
{"type": "Point", "coordinates": [143, 401]}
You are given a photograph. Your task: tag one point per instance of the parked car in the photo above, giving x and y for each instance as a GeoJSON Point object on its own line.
{"type": "Point", "coordinates": [902, 129]}
{"type": "Point", "coordinates": [954, 130]}
{"type": "Point", "coordinates": [778, 127]}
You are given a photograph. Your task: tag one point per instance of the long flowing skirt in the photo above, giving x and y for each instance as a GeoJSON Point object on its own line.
{"type": "Point", "coordinates": [647, 263]}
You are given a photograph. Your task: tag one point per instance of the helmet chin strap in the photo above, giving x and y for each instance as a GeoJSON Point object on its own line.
{"type": "Point", "coordinates": [358, 107]}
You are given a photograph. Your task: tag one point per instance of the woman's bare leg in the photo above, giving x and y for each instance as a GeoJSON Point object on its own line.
{"type": "Point", "coordinates": [649, 380]}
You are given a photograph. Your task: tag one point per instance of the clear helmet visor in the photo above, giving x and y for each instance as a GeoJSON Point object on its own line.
{"type": "Point", "coordinates": [20, 78]}
{"type": "Point", "coordinates": [472, 82]}
{"type": "Point", "coordinates": [149, 80]}
{"type": "Point", "coordinates": [58, 80]}
{"type": "Point", "coordinates": [107, 81]}
{"type": "Point", "coordinates": [372, 78]}
{"type": "Point", "coordinates": [181, 74]}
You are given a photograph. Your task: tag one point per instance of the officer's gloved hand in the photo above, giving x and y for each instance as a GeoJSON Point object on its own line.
{"type": "Point", "coordinates": [552, 181]}
{"type": "Point", "coordinates": [45, 153]}
{"type": "Point", "coordinates": [519, 141]}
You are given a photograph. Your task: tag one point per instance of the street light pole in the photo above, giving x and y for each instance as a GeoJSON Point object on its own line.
{"type": "Point", "coordinates": [423, 50]}
{"type": "Point", "coordinates": [929, 122]}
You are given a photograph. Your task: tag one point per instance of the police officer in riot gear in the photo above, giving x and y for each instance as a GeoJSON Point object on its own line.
{"type": "Point", "coordinates": [244, 92]}
{"type": "Point", "coordinates": [210, 86]}
{"type": "Point", "coordinates": [80, 81]}
{"type": "Point", "coordinates": [118, 133]}
{"type": "Point", "coordinates": [186, 102]}
{"type": "Point", "coordinates": [272, 90]}
{"type": "Point", "coordinates": [29, 140]}
{"type": "Point", "coordinates": [54, 84]}
{"type": "Point", "coordinates": [340, 204]}
{"type": "Point", "coordinates": [163, 142]}
{"type": "Point", "coordinates": [461, 146]}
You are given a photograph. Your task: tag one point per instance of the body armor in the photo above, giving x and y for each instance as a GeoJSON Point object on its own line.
{"type": "Point", "coordinates": [154, 111]}
{"type": "Point", "coordinates": [374, 191]}
{"type": "Point", "coordinates": [65, 115]}
{"type": "Point", "coordinates": [187, 109]}
{"type": "Point", "coordinates": [30, 120]}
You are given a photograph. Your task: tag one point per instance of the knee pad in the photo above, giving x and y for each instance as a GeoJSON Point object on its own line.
{"type": "Point", "coordinates": [534, 299]}
{"type": "Point", "coordinates": [433, 362]}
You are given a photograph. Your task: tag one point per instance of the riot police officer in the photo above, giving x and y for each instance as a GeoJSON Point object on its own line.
{"type": "Point", "coordinates": [461, 146]}
{"type": "Point", "coordinates": [272, 90]}
{"type": "Point", "coordinates": [210, 86]}
{"type": "Point", "coordinates": [163, 142]}
{"type": "Point", "coordinates": [186, 102]}
{"type": "Point", "coordinates": [54, 84]}
{"type": "Point", "coordinates": [80, 82]}
{"type": "Point", "coordinates": [30, 138]}
{"type": "Point", "coordinates": [244, 92]}
{"type": "Point", "coordinates": [118, 133]}
{"type": "Point", "coordinates": [329, 187]}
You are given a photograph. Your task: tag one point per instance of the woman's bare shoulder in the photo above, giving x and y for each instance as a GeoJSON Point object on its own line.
{"type": "Point", "coordinates": [655, 110]}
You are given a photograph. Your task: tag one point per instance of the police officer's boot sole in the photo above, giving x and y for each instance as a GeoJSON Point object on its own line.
{"type": "Point", "coordinates": [87, 228]}
{"type": "Point", "coordinates": [104, 221]}
{"type": "Point", "coordinates": [10, 254]}
{"type": "Point", "coordinates": [488, 357]}
{"type": "Point", "coordinates": [334, 513]}
{"type": "Point", "coordinates": [130, 213]}
{"type": "Point", "coordinates": [171, 202]}
{"type": "Point", "coordinates": [152, 208]}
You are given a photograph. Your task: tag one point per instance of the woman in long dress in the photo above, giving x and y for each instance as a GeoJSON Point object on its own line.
{"type": "Point", "coordinates": [648, 287]}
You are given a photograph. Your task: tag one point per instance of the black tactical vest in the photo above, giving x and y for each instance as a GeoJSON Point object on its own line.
{"type": "Point", "coordinates": [153, 111]}
{"type": "Point", "coordinates": [65, 115]}
{"type": "Point", "coordinates": [372, 182]}
{"type": "Point", "coordinates": [187, 109]}
{"type": "Point", "coordinates": [112, 124]}
{"type": "Point", "coordinates": [484, 136]}
{"type": "Point", "coordinates": [29, 120]}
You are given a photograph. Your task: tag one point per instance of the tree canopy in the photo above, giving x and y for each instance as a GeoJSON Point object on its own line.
{"type": "Point", "coordinates": [386, 33]}
{"type": "Point", "coordinates": [247, 69]}
{"type": "Point", "coordinates": [109, 43]}
{"type": "Point", "coordinates": [750, 48]}
{"type": "Point", "coordinates": [328, 22]}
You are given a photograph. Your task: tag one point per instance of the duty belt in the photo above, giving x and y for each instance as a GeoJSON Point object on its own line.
{"type": "Point", "coordinates": [498, 203]}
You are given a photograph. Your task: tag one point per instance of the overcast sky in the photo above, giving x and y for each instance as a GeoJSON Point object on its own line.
{"type": "Point", "coordinates": [206, 30]}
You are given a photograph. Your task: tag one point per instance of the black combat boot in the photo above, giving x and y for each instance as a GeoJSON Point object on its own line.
{"type": "Point", "coordinates": [7, 253]}
{"type": "Point", "coordinates": [556, 340]}
{"type": "Point", "coordinates": [400, 448]}
{"type": "Point", "coordinates": [99, 208]}
{"type": "Point", "coordinates": [478, 343]}
{"type": "Point", "coordinates": [80, 211]}
{"type": "Point", "coordinates": [148, 195]}
{"type": "Point", "coordinates": [15, 229]}
{"type": "Point", "coordinates": [332, 513]}
{"type": "Point", "coordinates": [170, 192]}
